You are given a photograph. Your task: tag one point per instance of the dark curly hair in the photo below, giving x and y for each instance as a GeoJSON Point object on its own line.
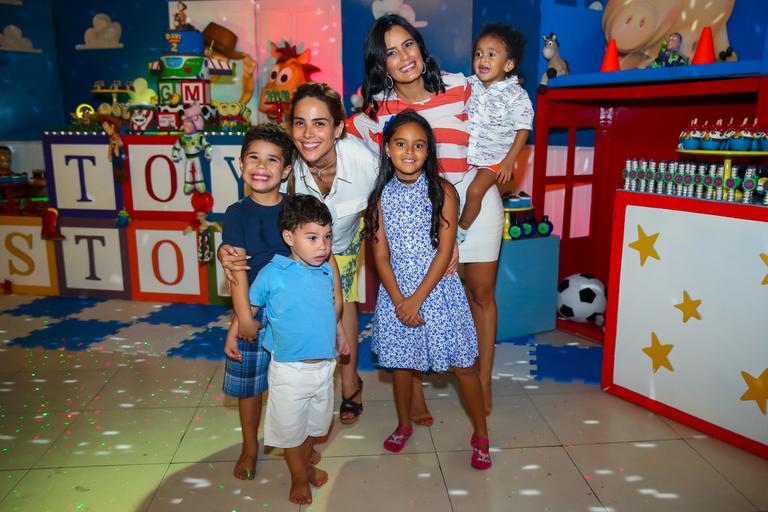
{"type": "Point", "coordinates": [272, 133]}
{"type": "Point", "coordinates": [302, 209]}
{"type": "Point", "coordinates": [431, 171]}
{"type": "Point", "coordinates": [375, 54]}
{"type": "Point", "coordinates": [513, 40]}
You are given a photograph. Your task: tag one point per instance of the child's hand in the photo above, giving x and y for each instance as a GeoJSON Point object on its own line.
{"type": "Point", "coordinates": [249, 331]}
{"type": "Point", "coordinates": [342, 347]}
{"type": "Point", "coordinates": [408, 312]}
{"type": "Point", "coordinates": [230, 348]}
{"type": "Point", "coordinates": [505, 172]}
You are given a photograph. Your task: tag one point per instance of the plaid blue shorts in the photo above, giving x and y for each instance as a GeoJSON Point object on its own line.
{"type": "Point", "coordinates": [249, 377]}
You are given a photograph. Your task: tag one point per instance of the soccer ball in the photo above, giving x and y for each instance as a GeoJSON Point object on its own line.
{"type": "Point", "coordinates": [581, 298]}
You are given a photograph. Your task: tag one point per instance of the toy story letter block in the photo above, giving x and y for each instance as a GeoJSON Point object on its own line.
{"type": "Point", "coordinates": [81, 181]}
{"type": "Point", "coordinates": [226, 180]}
{"type": "Point", "coordinates": [93, 259]}
{"type": "Point", "coordinates": [164, 263]}
{"type": "Point", "coordinates": [26, 260]}
{"type": "Point", "coordinates": [156, 183]}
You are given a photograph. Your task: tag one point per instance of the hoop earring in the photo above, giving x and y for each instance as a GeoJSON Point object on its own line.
{"type": "Point", "coordinates": [389, 82]}
{"type": "Point", "coordinates": [424, 71]}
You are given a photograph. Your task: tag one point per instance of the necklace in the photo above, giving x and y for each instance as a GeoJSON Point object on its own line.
{"type": "Point", "coordinates": [319, 173]}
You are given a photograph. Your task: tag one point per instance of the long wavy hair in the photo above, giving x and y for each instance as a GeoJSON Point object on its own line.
{"type": "Point", "coordinates": [375, 54]}
{"type": "Point", "coordinates": [431, 171]}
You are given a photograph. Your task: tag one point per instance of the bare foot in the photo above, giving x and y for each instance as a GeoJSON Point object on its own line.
{"type": "Point", "coordinates": [300, 493]}
{"type": "Point", "coordinates": [487, 396]}
{"type": "Point", "coordinates": [245, 467]}
{"type": "Point", "coordinates": [317, 477]}
{"type": "Point", "coordinates": [421, 416]}
{"type": "Point", "coordinates": [314, 457]}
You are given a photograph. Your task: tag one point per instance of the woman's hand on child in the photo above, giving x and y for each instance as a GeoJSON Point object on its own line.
{"type": "Point", "coordinates": [505, 172]}
{"type": "Point", "coordinates": [408, 312]}
{"type": "Point", "coordinates": [231, 350]}
{"type": "Point", "coordinates": [231, 262]}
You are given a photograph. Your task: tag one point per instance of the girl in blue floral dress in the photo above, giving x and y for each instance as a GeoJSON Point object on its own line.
{"type": "Point", "coordinates": [422, 320]}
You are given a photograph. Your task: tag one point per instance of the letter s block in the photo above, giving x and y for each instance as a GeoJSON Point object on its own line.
{"type": "Point", "coordinates": [163, 261]}
{"type": "Point", "coordinates": [27, 260]}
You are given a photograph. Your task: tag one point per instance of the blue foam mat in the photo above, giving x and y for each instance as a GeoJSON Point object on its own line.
{"type": "Point", "coordinates": [208, 344]}
{"type": "Point", "coordinates": [57, 307]}
{"type": "Point", "coordinates": [70, 334]}
{"type": "Point", "coordinates": [568, 363]}
{"type": "Point", "coordinates": [196, 315]}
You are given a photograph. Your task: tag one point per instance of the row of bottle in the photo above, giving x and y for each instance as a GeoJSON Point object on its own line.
{"type": "Point", "coordinates": [515, 229]}
{"type": "Point", "coordinates": [692, 179]}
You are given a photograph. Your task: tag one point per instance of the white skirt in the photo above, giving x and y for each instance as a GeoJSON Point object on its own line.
{"type": "Point", "coordinates": [484, 236]}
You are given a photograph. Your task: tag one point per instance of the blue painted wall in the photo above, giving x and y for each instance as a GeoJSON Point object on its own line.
{"type": "Point", "coordinates": [30, 92]}
{"type": "Point", "coordinates": [143, 23]}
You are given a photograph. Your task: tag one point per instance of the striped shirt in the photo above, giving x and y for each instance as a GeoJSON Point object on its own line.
{"type": "Point", "coordinates": [446, 113]}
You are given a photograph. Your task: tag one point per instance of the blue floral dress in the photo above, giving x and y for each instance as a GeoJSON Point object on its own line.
{"type": "Point", "coordinates": [448, 338]}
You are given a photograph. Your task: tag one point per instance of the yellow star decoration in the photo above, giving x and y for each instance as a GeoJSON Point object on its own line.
{"type": "Point", "coordinates": [644, 245]}
{"type": "Point", "coordinates": [765, 260]}
{"type": "Point", "coordinates": [757, 389]}
{"type": "Point", "coordinates": [659, 354]}
{"type": "Point", "coordinates": [689, 307]}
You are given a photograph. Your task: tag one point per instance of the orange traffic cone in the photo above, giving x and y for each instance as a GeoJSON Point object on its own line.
{"type": "Point", "coordinates": [611, 58]}
{"type": "Point", "coordinates": [705, 50]}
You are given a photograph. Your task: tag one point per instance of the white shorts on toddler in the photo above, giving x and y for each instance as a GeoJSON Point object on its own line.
{"type": "Point", "coordinates": [300, 402]}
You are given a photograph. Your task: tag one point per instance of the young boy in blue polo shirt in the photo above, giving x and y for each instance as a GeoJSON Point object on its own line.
{"type": "Point", "coordinates": [301, 298]}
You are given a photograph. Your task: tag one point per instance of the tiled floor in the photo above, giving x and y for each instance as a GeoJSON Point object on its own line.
{"type": "Point", "coordinates": [120, 426]}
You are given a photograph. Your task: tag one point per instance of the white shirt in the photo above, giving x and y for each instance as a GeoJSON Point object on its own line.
{"type": "Point", "coordinates": [356, 171]}
{"type": "Point", "coordinates": [496, 113]}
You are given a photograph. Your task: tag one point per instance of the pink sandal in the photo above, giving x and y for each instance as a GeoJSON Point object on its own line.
{"type": "Point", "coordinates": [481, 457]}
{"type": "Point", "coordinates": [398, 438]}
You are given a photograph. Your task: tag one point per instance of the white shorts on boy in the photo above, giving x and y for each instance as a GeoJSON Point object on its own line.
{"type": "Point", "coordinates": [300, 402]}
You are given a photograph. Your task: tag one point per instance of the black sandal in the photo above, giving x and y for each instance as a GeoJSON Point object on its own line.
{"type": "Point", "coordinates": [350, 407]}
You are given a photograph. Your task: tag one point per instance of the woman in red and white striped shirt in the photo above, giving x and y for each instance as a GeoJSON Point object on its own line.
{"type": "Point", "coordinates": [402, 75]}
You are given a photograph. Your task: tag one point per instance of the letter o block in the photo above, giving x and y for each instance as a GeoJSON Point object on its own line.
{"type": "Point", "coordinates": [163, 263]}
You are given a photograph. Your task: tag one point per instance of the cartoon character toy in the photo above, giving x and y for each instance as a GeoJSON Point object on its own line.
{"type": "Point", "coordinates": [556, 65]}
{"type": "Point", "coordinates": [115, 153]}
{"type": "Point", "coordinates": [670, 53]}
{"type": "Point", "coordinates": [202, 203]}
{"type": "Point", "coordinates": [192, 142]}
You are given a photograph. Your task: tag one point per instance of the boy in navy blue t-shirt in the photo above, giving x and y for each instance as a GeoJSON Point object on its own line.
{"type": "Point", "coordinates": [251, 227]}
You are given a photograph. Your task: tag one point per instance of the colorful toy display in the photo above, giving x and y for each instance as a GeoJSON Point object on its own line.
{"type": "Point", "coordinates": [184, 77]}
{"type": "Point", "coordinates": [746, 137]}
{"type": "Point", "coordinates": [556, 65]}
{"type": "Point", "coordinates": [699, 180]}
{"type": "Point", "coordinates": [581, 298]}
{"type": "Point", "coordinates": [192, 142]}
{"type": "Point", "coordinates": [641, 27]}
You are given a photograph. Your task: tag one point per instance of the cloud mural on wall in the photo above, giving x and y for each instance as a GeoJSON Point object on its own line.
{"type": "Point", "coordinates": [11, 2]}
{"type": "Point", "coordinates": [12, 40]}
{"type": "Point", "coordinates": [104, 34]}
{"type": "Point", "coordinates": [382, 7]}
